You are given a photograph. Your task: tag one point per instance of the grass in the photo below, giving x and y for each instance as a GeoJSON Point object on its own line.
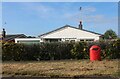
{"type": "Point", "coordinates": [61, 68]}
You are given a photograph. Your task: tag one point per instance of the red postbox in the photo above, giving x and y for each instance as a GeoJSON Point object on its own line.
{"type": "Point", "coordinates": [95, 53]}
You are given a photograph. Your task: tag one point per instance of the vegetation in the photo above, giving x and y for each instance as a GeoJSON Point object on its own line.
{"type": "Point", "coordinates": [57, 51]}
{"type": "Point", "coordinates": [61, 68]}
{"type": "Point", "coordinates": [110, 34]}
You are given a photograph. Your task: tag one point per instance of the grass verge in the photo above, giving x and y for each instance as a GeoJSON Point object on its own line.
{"type": "Point", "coordinates": [61, 68]}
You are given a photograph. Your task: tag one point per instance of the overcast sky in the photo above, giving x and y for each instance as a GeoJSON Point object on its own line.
{"type": "Point", "coordinates": [35, 18]}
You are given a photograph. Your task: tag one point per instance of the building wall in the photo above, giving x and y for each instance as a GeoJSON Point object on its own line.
{"type": "Point", "coordinates": [66, 34]}
{"type": "Point", "coordinates": [27, 40]}
{"type": "Point", "coordinates": [71, 33]}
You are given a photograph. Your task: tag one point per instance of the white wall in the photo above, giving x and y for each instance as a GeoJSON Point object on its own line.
{"type": "Point", "coordinates": [27, 39]}
{"type": "Point", "coordinates": [69, 32]}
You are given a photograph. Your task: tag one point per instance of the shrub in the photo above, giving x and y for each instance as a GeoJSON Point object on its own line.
{"type": "Point", "coordinates": [12, 51]}
{"type": "Point", "coordinates": [57, 51]}
{"type": "Point", "coordinates": [79, 50]}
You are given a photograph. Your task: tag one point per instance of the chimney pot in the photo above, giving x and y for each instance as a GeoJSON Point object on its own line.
{"type": "Point", "coordinates": [80, 25]}
{"type": "Point", "coordinates": [3, 33]}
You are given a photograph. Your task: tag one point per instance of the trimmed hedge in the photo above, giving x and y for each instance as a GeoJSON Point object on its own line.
{"type": "Point", "coordinates": [57, 51]}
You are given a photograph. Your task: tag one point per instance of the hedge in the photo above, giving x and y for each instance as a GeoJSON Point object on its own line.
{"type": "Point", "coordinates": [57, 51]}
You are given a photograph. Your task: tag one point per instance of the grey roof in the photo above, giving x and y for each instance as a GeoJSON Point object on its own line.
{"type": "Point", "coordinates": [71, 27]}
{"type": "Point", "coordinates": [12, 37]}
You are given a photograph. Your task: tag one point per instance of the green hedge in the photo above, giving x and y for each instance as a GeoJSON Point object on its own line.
{"type": "Point", "coordinates": [57, 51]}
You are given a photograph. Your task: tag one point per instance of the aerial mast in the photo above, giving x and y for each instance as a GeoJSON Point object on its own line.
{"type": "Point", "coordinates": [80, 25]}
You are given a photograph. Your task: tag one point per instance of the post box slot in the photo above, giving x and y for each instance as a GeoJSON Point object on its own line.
{"type": "Point", "coordinates": [95, 48]}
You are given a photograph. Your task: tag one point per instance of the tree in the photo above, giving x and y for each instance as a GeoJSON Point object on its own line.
{"type": "Point", "coordinates": [110, 34]}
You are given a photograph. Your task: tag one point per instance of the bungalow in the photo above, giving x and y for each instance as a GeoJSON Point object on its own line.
{"type": "Point", "coordinates": [66, 33]}
{"type": "Point", "coordinates": [69, 33]}
{"type": "Point", "coordinates": [10, 37]}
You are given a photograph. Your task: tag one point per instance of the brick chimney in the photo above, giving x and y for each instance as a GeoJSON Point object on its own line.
{"type": "Point", "coordinates": [3, 33]}
{"type": "Point", "coordinates": [80, 25]}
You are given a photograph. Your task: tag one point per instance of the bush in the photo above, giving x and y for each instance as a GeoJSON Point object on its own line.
{"type": "Point", "coordinates": [12, 51]}
{"type": "Point", "coordinates": [53, 51]}
{"type": "Point", "coordinates": [57, 51]}
{"type": "Point", "coordinates": [79, 50]}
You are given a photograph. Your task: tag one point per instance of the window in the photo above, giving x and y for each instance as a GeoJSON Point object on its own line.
{"type": "Point", "coordinates": [72, 40]}
{"type": "Point", "coordinates": [52, 40]}
{"type": "Point", "coordinates": [82, 40]}
{"type": "Point", "coordinates": [89, 39]}
{"type": "Point", "coordinates": [66, 40]}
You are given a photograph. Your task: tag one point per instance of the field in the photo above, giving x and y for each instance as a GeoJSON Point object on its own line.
{"type": "Point", "coordinates": [60, 68]}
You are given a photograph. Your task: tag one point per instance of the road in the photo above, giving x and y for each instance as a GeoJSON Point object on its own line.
{"type": "Point", "coordinates": [59, 78]}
